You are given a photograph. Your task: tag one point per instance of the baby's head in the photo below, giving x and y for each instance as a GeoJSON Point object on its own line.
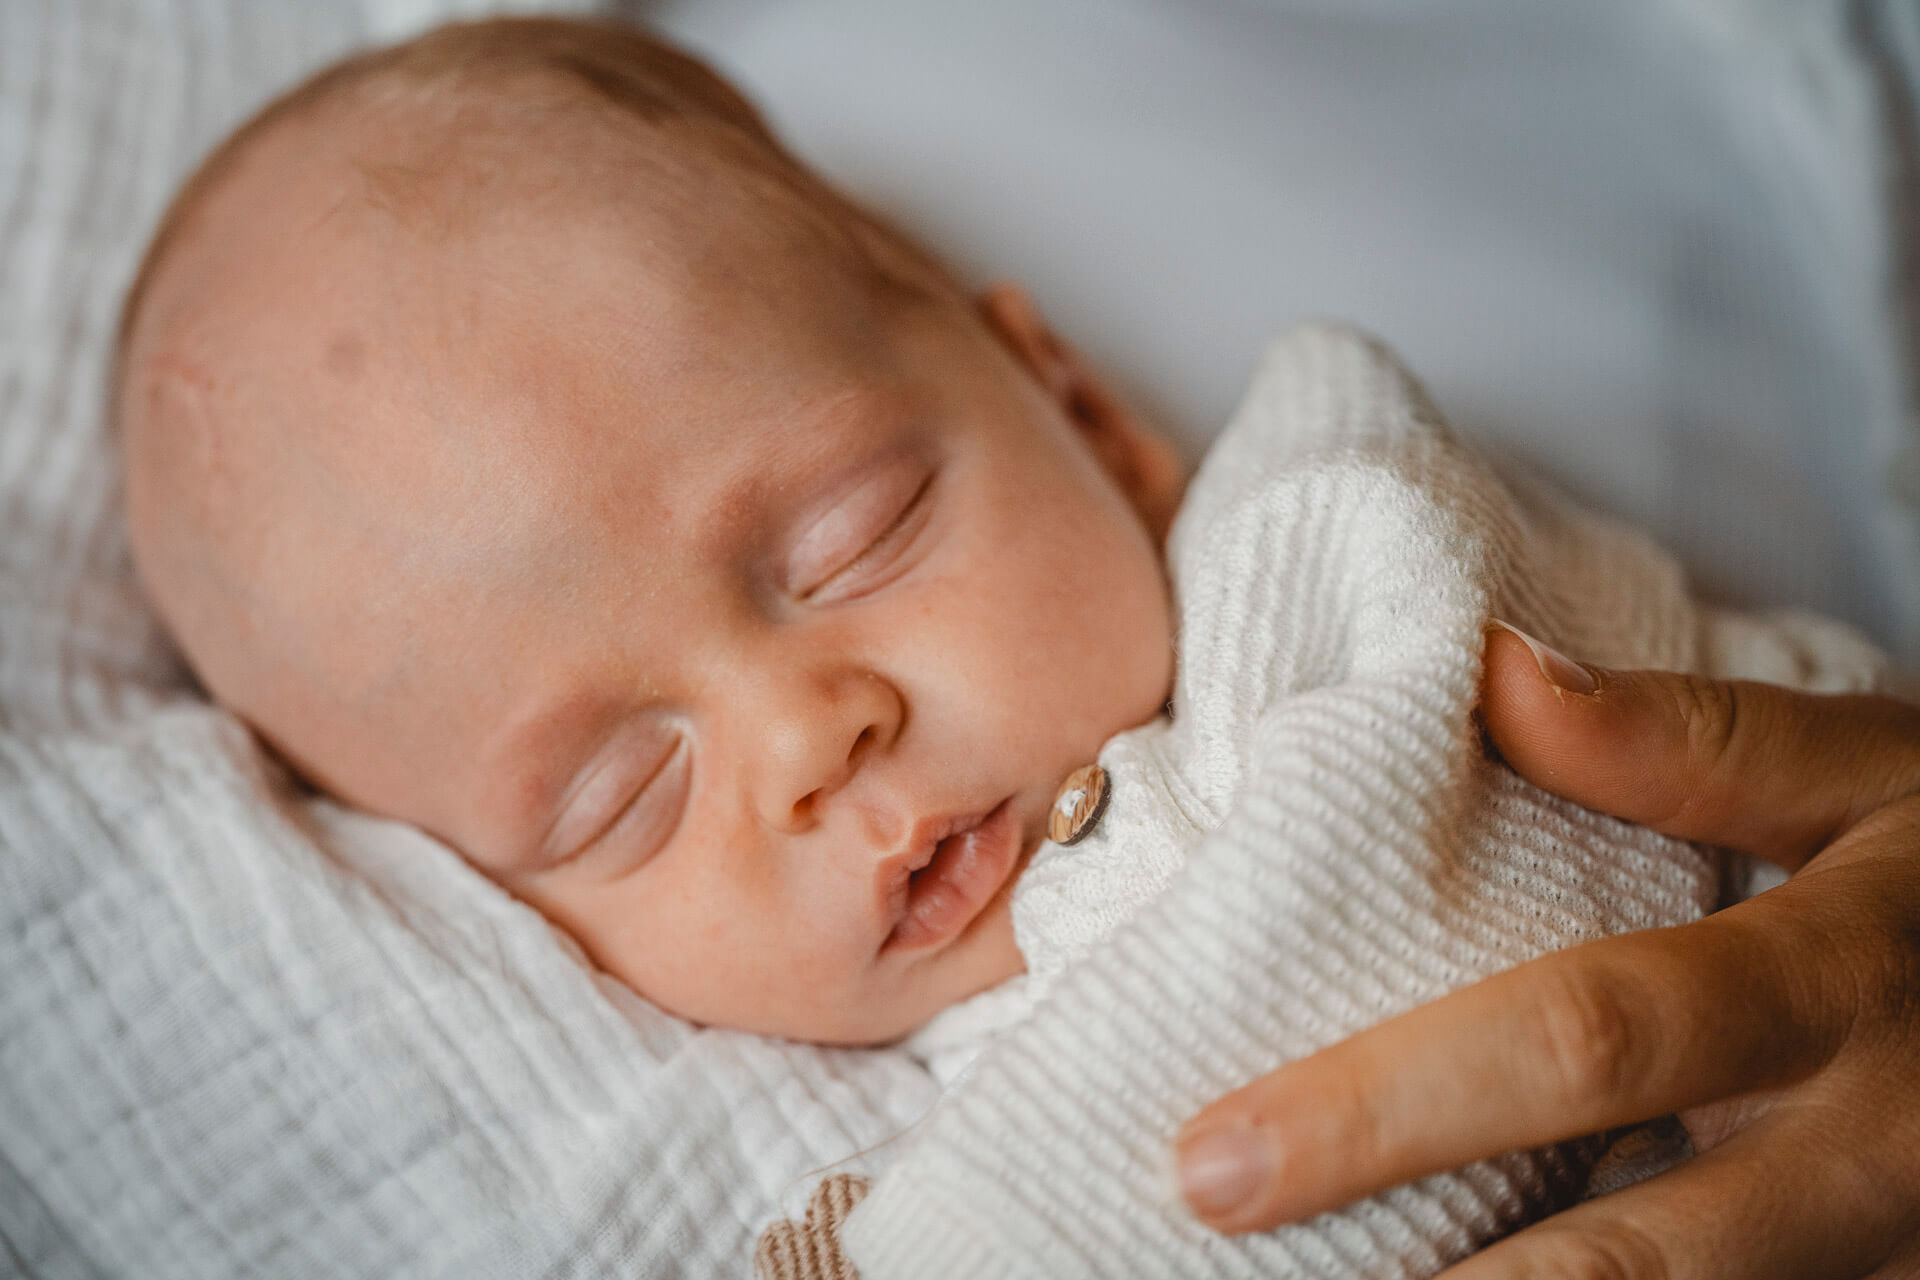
{"type": "Point", "coordinates": [529, 449]}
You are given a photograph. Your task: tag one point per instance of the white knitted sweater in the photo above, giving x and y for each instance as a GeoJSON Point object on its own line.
{"type": "Point", "coordinates": [1313, 843]}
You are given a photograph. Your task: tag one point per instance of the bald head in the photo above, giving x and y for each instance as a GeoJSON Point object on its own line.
{"type": "Point", "coordinates": [336, 361]}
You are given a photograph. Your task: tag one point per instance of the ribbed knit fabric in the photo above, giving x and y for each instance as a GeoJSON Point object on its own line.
{"type": "Point", "coordinates": [1314, 843]}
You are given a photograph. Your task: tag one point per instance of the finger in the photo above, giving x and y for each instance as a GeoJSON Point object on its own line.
{"type": "Point", "coordinates": [1777, 1203]}
{"type": "Point", "coordinates": [1604, 1034]}
{"type": "Point", "coordinates": [1750, 766]}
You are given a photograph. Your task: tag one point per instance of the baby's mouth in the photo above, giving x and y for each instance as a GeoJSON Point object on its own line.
{"type": "Point", "coordinates": [938, 898]}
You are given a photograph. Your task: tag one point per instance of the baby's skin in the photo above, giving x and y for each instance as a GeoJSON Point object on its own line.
{"type": "Point", "coordinates": [589, 486]}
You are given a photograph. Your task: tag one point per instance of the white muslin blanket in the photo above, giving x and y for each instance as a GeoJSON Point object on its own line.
{"type": "Point", "coordinates": [1313, 843]}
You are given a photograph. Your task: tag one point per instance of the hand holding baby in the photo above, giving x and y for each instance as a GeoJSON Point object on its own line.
{"type": "Point", "coordinates": [1783, 1029]}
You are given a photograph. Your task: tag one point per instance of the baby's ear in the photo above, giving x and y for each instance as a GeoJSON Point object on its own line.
{"type": "Point", "coordinates": [1142, 463]}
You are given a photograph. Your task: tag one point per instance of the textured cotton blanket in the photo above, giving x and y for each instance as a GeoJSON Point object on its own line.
{"type": "Point", "coordinates": [1314, 842]}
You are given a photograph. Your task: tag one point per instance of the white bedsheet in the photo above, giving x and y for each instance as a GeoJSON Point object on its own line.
{"type": "Point", "coordinates": [243, 1033]}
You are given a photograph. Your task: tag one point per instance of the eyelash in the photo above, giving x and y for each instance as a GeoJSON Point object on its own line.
{"type": "Point", "coordinates": [894, 533]}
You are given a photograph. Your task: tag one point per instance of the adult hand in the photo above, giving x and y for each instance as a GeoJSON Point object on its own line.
{"type": "Point", "coordinates": [1785, 1030]}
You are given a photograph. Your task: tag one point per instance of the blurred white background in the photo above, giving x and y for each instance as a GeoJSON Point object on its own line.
{"type": "Point", "coordinates": [1651, 247]}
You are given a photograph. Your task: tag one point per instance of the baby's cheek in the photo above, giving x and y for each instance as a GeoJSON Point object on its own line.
{"type": "Point", "coordinates": [677, 953]}
{"type": "Point", "coordinates": [985, 957]}
{"type": "Point", "coordinates": [1101, 630]}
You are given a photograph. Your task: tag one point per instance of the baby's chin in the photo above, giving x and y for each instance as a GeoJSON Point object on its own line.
{"type": "Point", "coordinates": [980, 958]}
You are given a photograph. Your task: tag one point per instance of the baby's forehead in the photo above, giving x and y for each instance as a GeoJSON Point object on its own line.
{"type": "Point", "coordinates": [475, 171]}
{"type": "Point", "coordinates": [474, 208]}
{"type": "Point", "coordinates": [496, 353]}
{"type": "Point", "coordinates": [343, 254]}
{"type": "Point", "coordinates": [418, 165]}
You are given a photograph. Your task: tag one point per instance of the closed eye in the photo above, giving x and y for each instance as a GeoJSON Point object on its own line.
{"type": "Point", "coordinates": [647, 822]}
{"type": "Point", "coordinates": [877, 560]}
{"type": "Point", "coordinates": [624, 833]}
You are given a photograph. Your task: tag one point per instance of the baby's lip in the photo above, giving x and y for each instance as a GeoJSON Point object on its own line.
{"type": "Point", "coordinates": [949, 872]}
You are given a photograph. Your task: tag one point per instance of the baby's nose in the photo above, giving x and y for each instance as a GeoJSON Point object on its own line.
{"type": "Point", "coordinates": [820, 730]}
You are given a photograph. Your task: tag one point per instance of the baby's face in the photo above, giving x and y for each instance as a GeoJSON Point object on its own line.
{"type": "Point", "coordinates": [741, 619]}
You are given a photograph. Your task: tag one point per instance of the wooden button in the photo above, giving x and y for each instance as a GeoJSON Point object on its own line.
{"type": "Point", "coordinates": [1077, 809]}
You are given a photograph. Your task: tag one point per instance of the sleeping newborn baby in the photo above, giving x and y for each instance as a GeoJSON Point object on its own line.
{"type": "Point", "coordinates": [530, 450]}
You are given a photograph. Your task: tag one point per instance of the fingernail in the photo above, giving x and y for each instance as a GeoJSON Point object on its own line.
{"type": "Point", "coordinates": [1561, 671]}
{"type": "Point", "coordinates": [1220, 1171]}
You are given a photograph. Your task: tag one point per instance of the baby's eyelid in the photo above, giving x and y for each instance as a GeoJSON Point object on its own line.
{"type": "Point", "coordinates": [641, 827]}
{"type": "Point", "coordinates": [897, 520]}
{"type": "Point", "coordinates": [606, 818]}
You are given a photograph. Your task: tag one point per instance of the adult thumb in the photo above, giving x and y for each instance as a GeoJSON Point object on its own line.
{"type": "Point", "coordinates": [1737, 763]}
